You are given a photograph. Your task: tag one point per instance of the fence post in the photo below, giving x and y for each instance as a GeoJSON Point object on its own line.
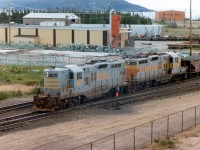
{"type": "Point", "coordinates": [182, 121]}
{"type": "Point", "coordinates": [151, 132]}
{"type": "Point", "coordinates": [114, 141]}
{"type": "Point", "coordinates": [91, 145]}
{"type": "Point", "coordinates": [167, 126]}
{"type": "Point", "coordinates": [134, 138]}
{"type": "Point", "coordinates": [195, 119]}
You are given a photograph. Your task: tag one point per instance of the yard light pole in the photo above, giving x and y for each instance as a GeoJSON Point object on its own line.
{"type": "Point", "coordinates": [190, 27]}
{"type": "Point", "coordinates": [9, 24]}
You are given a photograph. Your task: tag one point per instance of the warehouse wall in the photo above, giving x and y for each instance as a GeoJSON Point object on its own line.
{"type": "Point", "coordinates": [28, 31]}
{"type": "Point", "coordinates": [37, 21]}
{"type": "Point", "coordinates": [64, 36]}
{"type": "Point", "coordinates": [3, 34]}
{"type": "Point", "coordinates": [45, 36]}
{"type": "Point", "coordinates": [55, 36]}
{"type": "Point", "coordinates": [80, 36]}
{"type": "Point", "coordinates": [96, 37]}
{"type": "Point", "coordinates": [14, 31]}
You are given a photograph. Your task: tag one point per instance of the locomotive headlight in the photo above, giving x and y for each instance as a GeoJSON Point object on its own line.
{"type": "Point", "coordinates": [46, 74]}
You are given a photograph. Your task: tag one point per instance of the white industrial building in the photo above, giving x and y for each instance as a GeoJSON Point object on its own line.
{"type": "Point", "coordinates": [37, 18]}
{"type": "Point", "coordinates": [146, 30]}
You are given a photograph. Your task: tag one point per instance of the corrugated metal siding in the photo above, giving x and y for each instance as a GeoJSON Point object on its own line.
{"type": "Point", "coordinates": [51, 15]}
{"type": "Point", "coordinates": [148, 30]}
{"type": "Point", "coordinates": [39, 20]}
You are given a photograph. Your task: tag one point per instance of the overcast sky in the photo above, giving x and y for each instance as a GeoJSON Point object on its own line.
{"type": "Point", "coordinates": [183, 5]}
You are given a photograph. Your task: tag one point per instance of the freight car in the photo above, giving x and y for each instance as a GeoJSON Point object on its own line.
{"type": "Point", "coordinates": [75, 84]}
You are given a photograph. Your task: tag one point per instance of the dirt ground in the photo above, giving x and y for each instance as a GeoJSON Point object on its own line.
{"type": "Point", "coordinates": [15, 87]}
{"type": "Point", "coordinates": [73, 130]}
{"type": "Point", "coordinates": [189, 140]}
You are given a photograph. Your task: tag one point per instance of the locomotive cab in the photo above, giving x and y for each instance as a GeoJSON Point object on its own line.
{"type": "Point", "coordinates": [47, 97]}
{"type": "Point", "coordinates": [175, 66]}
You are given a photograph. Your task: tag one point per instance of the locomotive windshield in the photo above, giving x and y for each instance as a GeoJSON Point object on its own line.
{"type": "Point", "coordinates": [50, 75]}
{"type": "Point", "coordinates": [128, 62]}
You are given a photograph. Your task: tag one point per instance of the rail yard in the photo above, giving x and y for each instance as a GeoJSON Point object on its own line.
{"type": "Point", "coordinates": [70, 85]}
{"type": "Point", "coordinates": [134, 109]}
{"type": "Point", "coordinates": [94, 113]}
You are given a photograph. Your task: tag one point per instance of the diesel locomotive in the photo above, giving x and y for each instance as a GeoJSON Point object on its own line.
{"type": "Point", "coordinates": [76, 84]}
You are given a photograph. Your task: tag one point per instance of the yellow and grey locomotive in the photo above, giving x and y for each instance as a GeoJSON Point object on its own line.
{"type": "Point", "coordinates": [75, 84]}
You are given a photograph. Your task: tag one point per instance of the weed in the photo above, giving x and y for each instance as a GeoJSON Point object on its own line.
{"type": "Point", "coordinates": [31, 92]}
{"type": "Point", "coordinates": [165, 143]}
{"type": "Point", "coordinates": [17, 93]}
{"type": "Point", "coordinates": [8, 94]}
{"type": "Point", "coordinates": [3, 95]}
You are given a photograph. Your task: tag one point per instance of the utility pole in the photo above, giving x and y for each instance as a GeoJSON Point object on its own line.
{"type": "Point", "coordinates": [190, 27]}
{"type": "Point", "coordinates": [9, 25]}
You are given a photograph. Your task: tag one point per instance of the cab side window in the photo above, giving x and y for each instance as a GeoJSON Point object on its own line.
{"type": "Point", "coordinates": [79, 76]}
{"type": "Point", "coordinates": [71, 75]}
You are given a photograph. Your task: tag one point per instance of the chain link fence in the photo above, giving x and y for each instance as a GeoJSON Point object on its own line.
{"type": "Point", "coordinates": [137, 137]}
{"type": "Point", "coordinates": [25, 59]}
{"type": "Point", "coordinates": [144, 135]}
{"type": "Point", "coordinates": [61, 47]}
{"type": "Point", "coordinates": [41, 60]}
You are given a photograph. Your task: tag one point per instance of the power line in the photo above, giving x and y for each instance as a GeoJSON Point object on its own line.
{"type": "Point", "coordinates": [26, 7]}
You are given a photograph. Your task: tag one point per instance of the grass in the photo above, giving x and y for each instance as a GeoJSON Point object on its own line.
{"type": "Point", "coordinates": [161, 144]}
{"type": "Point", "coordinates": [9, 94]}
{"type": "Point", "coordinates": [21, 74]}
{"type": "Point", "coordinates": [196, 48]}
{"type": "Point", "coordinates": [180, 32]}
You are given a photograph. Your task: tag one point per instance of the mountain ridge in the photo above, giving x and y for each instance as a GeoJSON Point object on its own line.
{"type": "Point", "coordinates": [118, 5]}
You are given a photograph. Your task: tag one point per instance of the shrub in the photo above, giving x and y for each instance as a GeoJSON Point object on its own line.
{"type": "Point", "coordinates": [165, 143]}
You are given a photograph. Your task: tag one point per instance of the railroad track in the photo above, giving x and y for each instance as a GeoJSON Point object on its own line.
{"type": "Point", "coordinates": [15, 106]}
{"type": "Point", "coordinates": [150, 94]}
{"type": "Point", "coordinates": [9, 123]}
